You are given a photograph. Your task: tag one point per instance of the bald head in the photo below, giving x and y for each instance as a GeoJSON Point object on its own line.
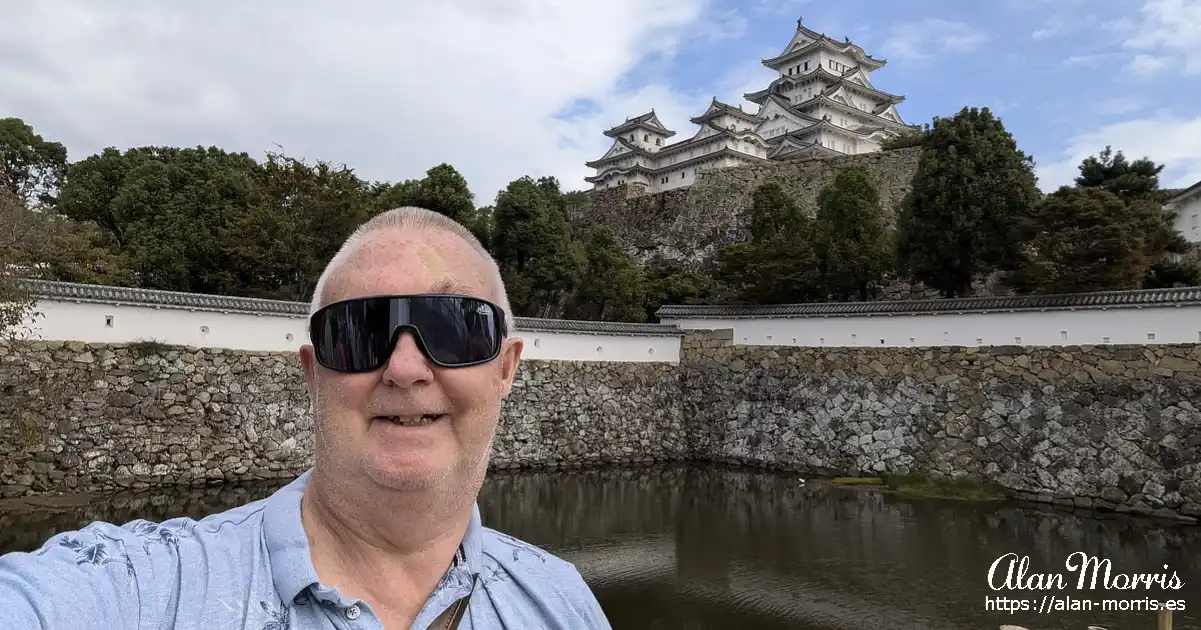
{"type": "Point", "coordinates": [412, 220]}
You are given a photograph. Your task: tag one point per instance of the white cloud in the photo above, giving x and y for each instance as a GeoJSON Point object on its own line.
{"type": "Point", "coordinates": [1058, 24]}
{"type": "Point", "coordinates": [1167, 140]}
{"type": "Point", "coordinates": [1148, 65]}
{"type": "Point", "coordinates": [924, 39]}
{"type": "Point", "coordinates": [387, 88]}
{"type": "Point", "coordinates": [1119, 105]}
{"type": "Point", "coordinates": [1166, 28]}
{"type": "Point", "coordinates": [1088, 60]}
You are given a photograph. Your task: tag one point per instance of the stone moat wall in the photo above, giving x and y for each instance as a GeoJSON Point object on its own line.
{"type": "Point", "coordinates": [1115, 427]}
{"type": "Point", "coordinates": [95, 417]}
{"type": "Point", "coordinates": [1108, 427]}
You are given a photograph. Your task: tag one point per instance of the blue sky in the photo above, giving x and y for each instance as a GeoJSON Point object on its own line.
{"type": "Point", "coordinates": [525, 87]}
{"type": "Point", "coordinates": [1065, 76]}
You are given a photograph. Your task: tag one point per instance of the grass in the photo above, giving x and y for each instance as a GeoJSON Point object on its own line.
{"type": "Point", "coordinates": [924, 486]}
{"type": "Point", "coordinates": [857, 481]}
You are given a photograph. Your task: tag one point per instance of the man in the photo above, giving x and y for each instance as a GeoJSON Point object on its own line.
{"type": "Point", "coordinates": [383, 531]}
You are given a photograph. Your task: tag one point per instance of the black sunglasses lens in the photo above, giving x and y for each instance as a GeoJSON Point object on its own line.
{"type": "Point", "coordinates": [352, 336]}
{"type": "Point", "coordinates": [358, 335]}
{"type": "Point", "coordinates": [455, 330]}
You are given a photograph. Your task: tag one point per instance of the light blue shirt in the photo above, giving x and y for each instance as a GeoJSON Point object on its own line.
{"type": "Point", "coordinates": [250, 568]}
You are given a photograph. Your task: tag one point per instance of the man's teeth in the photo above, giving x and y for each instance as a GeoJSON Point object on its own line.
{"type": "Point", "coordinates": [412, 421]}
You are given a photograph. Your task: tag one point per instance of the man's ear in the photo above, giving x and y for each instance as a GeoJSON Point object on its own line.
{"type": "Point", "coordinates": [308, 364]}
{"type": "Point", "coordinates": [510, 358]}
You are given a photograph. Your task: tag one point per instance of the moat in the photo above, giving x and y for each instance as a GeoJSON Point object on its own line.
{"type": "Point", "coordinates": [707, 548]}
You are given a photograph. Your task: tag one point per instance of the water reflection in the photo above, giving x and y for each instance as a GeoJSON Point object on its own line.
{"type": "Point", "coordinates": [716, 548]}
{"type": "Point", "coordinates": [704, 548]}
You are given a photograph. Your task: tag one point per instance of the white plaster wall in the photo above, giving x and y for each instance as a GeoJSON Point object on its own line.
{"type": "Point", "coordinates": [558, 346]}
{"type": "Point", "coordinates": [868, 145]}
{"type": "Point", "coordinates": [1050, 328]}
{"type": "Point", "coordinates": [846, 60]}
{"type": "Point", "coordinates": [1188, 217]}
{"type": "Point", "coordinates": [95, 322]}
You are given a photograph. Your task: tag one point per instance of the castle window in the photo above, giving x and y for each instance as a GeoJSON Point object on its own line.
{"type": "Point", "coordinates": [806, 65]}
{"type": "Point", "coordinates": [658, 142]}
{"type": "Point", "coordinates": [631, 137]}
{"type": "Point", "coordinates": [646, 137]}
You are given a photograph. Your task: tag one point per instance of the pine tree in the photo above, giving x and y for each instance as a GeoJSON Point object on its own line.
{"type": "Point", "coordinates": [972, 185]}
{"type": "Point", "coordinates": [852, 243]}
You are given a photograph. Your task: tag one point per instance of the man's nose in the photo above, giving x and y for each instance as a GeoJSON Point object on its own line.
{"type": "Point", "coordinates": [407, 364]}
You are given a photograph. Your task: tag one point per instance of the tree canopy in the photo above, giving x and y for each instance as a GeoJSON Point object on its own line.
{"type": "Point", "coordinates": [204, 219]}
{"type": "Point", "coordinates": [972, 186]}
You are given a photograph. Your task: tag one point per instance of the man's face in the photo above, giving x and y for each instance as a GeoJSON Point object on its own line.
{"type": "Point", "coordinates": [352, 440]}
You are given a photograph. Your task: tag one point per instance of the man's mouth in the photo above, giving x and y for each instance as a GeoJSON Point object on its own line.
{"type": "Point", "coordinates": [412, 421]}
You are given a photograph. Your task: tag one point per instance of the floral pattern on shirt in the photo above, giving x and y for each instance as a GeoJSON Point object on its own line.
{"type": "Point", "coordinates": [278, 618]}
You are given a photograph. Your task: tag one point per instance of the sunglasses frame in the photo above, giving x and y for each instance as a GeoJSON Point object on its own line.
{"type": "Point", "coordinates": [501, 330]}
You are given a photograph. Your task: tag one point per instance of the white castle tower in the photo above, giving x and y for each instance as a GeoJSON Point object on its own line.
{"type": "Point", "coordinates": [822, 103]}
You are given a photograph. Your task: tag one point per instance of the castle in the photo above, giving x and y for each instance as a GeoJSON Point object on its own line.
{"type": "Point", "coordinates": [823, 103]}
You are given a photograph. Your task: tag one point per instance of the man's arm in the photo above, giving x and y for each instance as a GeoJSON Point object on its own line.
{"type": "Point", "coordinates": [81, 579]}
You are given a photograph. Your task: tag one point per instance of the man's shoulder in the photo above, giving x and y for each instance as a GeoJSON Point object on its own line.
{"type": "Point", "coordinates": [98, 567]}
{"type": "Point", "coordinates": [516, 555]}
{"type": "Point", "coordinates": [235, 526]}
{"type": "Point", "coordinates": [556, 585]}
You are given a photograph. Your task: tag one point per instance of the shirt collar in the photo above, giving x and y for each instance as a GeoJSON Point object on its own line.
{"type": "Point", "coordinates": [288, 548]}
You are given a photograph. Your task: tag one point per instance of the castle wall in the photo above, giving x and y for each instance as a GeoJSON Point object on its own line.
{"type": "Point", "coordinates": [691, 224]}
{"type": "Point", "coordinates": [1113, 427]}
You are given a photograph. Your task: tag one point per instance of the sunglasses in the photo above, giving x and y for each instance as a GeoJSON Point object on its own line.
{"type": "Point", "coordinates": [358, 335]}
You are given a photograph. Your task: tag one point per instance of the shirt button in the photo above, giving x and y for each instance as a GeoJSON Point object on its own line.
{"type": "Point", "coordinates": [353, 612]}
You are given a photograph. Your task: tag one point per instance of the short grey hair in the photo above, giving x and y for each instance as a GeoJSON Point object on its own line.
{"type": "Point", "coordinates": [412, 217]}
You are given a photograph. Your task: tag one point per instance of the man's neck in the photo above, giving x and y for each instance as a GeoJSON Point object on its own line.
{"type": "Point", "coordinates": [389, 548]}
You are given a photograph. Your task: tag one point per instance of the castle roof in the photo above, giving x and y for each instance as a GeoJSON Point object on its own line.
{"type": "Point", "coordinates": [791, 145]}
{"type": "Point", "coordinates": [666, 168]}
{"type": "Point", "coordinates": [611, 155]}
{"type": "Point", "coordinates": [718, 108]}
{"type": "Point", "coordinates": [1139, 298]}
{"type": "Point", "coordinates": [834, 81]}
{"type": "Point", "coordinates": [822, 99]}
{"type": "Point", "coordinates": [806, 40]}
{"type": "Point", "coordinates": [1179, 195]}
{"type": "Point", "coordinates": [649, 121]}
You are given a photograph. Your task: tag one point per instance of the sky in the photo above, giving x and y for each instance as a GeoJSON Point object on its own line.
{"type": "Point", "coordinates": [502, 89]}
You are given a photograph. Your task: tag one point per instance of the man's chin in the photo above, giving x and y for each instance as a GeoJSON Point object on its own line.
{"type": "Point", "coordinates": [410, 475]}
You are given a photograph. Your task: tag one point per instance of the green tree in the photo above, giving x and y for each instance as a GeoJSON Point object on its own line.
{"type": "Point", "coordinates": [777, 263]}
{"type": "Point", "coordinates": [972, 185]}
{"type": "Point", "coordinates": [1128, 180]}
{"type": "Point", "coordinates": [914, 137]}
{"type": "Point", "coordinates": [31, 167]}
{"type": "Point", "coordinates": [167, 209]}
{"type": "Point", "coordinates": [443, 190]}
{"type": "Point", "coordinates": [612, 287]}
{"type": "Point", "coordinates": [297, 219]}
{"type": "Point", "coordinates": [1085, 239]}
{"type": "Point", "coordinates": [1137, 185]}
{"type": "Point", "coordinates": [667, 282]}
{"type": "Point", "coordinates": [18, 228]}
{"type": "Point", "coordinates": [851, 241]}
{"type": "Point", "coordinates": [539, 261]}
